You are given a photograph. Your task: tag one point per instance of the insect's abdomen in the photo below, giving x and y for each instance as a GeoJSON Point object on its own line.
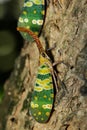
{"type": "Point", "coordinates": [32, 17]}
{"type": "Point", "coordinates": [43, 95]}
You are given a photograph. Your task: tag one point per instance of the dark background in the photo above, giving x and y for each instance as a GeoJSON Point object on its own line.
{"type": "Point", "coordinates": [10, 40]}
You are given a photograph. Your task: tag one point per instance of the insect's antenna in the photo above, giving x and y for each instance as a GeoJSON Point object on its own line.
{"type": "Point", "coordinates": [22, 29]}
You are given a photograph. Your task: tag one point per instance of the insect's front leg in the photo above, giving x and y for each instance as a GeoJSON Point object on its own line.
{"type": "Point", "coordinates": [59, 2]}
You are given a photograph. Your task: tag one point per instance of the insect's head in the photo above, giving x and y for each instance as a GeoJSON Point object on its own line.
{"type": "Point", "coordinates": [44, 58]}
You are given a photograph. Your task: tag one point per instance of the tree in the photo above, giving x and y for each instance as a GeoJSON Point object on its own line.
{"type": "Point", "coordinates": [65, 27]}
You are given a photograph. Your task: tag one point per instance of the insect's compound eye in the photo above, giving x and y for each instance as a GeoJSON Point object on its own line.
{"type": "Point", "coordinates": [43, 54]}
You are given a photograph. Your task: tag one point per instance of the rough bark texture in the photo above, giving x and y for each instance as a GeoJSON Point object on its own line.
{"type": "Point", "coordinates": [66, 28]}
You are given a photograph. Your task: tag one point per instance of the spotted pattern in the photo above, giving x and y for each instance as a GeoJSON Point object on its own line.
{"type": "Point", "coordinates": [32, 17]}
{"type": "Point", "coordinates": [43, 94]}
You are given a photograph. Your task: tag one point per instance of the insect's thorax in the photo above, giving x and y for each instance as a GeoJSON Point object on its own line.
{"type": "Point", "coordinates": [45, 60]}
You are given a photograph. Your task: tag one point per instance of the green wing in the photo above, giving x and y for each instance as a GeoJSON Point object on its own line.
{"type": "Point", "coordinates": [43, 95]}
{"type": "Point", "coordinates": [32, 17]}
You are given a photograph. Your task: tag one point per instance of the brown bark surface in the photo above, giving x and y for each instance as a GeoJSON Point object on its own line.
{"type": "Point", "coordinates": [65, 27]}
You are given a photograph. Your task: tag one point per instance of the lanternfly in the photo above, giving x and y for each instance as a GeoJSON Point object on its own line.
{"type": "Point", "coordinates": [43, 93]}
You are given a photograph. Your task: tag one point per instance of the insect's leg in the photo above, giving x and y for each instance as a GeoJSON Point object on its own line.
{"type": "Point", "coordinates": [57, 1]}
{"type": "Point", "coordinates": [55, 82]}
{"type": "Point", "coordinates": [59, 62]}
{"type": "Point", "coordinates": [54, 2]}
{"type": "Point", "coordinates": [60, 83]}
{"type": "Point", "coordinates": [51, 48]}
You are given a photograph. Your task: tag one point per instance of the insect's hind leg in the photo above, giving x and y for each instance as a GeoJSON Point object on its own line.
{"type": "Point", "coordinates": [55, 75]}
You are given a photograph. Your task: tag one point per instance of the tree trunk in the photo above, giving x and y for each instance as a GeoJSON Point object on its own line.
{"type": "Point", "coordinates": [65, 28]}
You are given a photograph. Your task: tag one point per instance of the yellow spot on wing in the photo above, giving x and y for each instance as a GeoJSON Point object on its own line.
{"type": "Point", "coordinates": [34, 11]}
{"type": "Point", "coordinates": [39, 22]}
{"type": "Point", "coordinates": [42, 119]}
{"type": "Point", "coordinates": [47, 106]}
{"type": "Point", "coordinates": [34, 105]}
{"type": "Point", "coordinates": [48, 87]}
{"type": "Point", "coordinates": [28, 27]}
{"type": "Point", "coordinates": [45, 81]}
{"type": "Point", "coordinates": [43, 12]}
{"type": "Point", "coordinates": [34, 114]}
{"type": "Point", "coordinates": [26, 20]}
{"type": "Point", "coordinates": [52, 95]}
{"type": "Point", "coordinates": [43, 84]}
{"type": "Point", "coordinates": [20, 19]}
{"type": "Point", "coordinates": [38, 89]}
{"type": "Point", "coordinates": [44, 70]}
{"type": "Point", "coordinates": [47, 113]}
{"type": "Point", "coordinates": [45, 96]}
{"type": "Point", "coordinates": [24, 12]}
{"type": "Point", "coordinates": [28, 4]}
{"type": "Point", "coordinates": [36, 118]}
{"type": "Point", "coordinates": [38, 2]}
{"type": "Point", "coordinates": [49, 99]}
{"type": "Point", "coordinates": [34, 21]}
{"type": "Point", "coordinates": [39, 113]}
{"type": "Point", "coordinates": [36, 98]}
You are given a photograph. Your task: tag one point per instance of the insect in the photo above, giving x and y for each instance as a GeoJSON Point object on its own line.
{"type": "Point", "coordinates": [43, 95]}
{"type": "Point", "coordinates": [32, 17]}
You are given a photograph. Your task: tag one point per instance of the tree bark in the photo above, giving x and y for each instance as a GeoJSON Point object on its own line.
{"type": "Point", "coordinates": [65, 28]}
